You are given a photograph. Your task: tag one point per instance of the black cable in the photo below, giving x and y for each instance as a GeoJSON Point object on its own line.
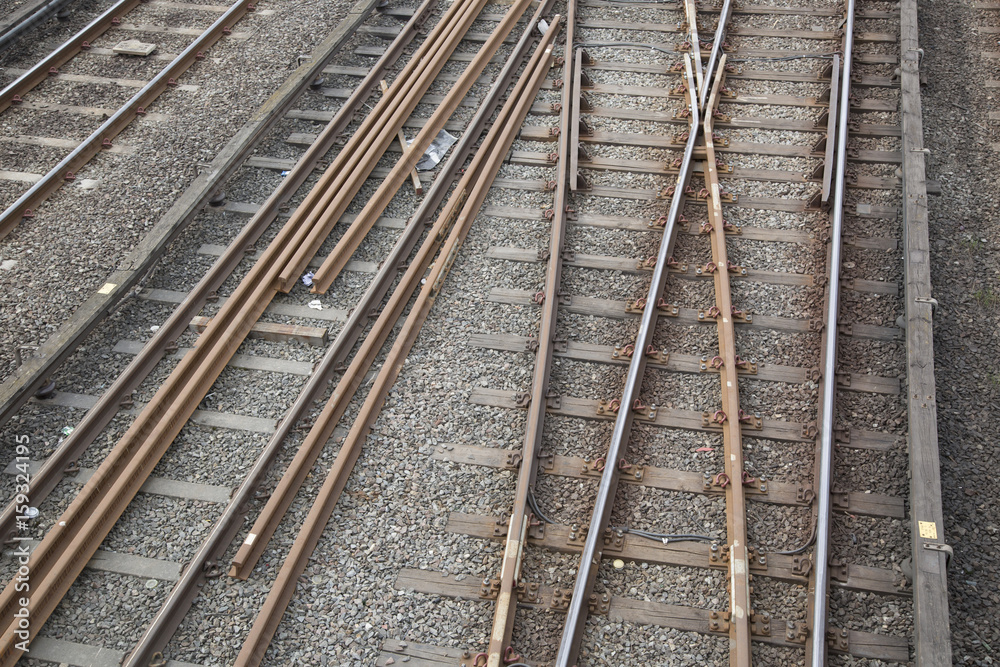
{"type": "Point", "coordinates": [534, 508]}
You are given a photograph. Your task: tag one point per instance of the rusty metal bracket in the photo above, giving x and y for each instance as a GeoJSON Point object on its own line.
{"type": "Point", "coordinates": [840, 500]}
{"type": "Point", "coordinates": [805, 495]}
{"type": "Point", "coordinates": [796, 632]}
{"type": "Point", "coordinates": [839, 570]}
{"type": "Point", "coordinates": [489, 589]}
{"type": "Point", "coordinates": [599, 604]}
{"type": "Point", "coordinates": [756, 561]}
{"type": "Point", "coordinates": [512, 461]}
{"type": "Point", "coordinates": [718, 556]}
{"type": "Point", "coordinates": [577, 535]}
{"type": "Point", "coordinates": [760, 624]}
{"type": "Point", "coordinates": [668, 309]}
{"type": "Point", "coordinates": [614, 540]}
{"type": "Point", "coordinates": [593, 468]}
{"type": "Point", "coordinates": [718, 621]}
{"type": "Point", "coordinates": [636, 306]}
{"type": "Point", "coordinates": [802, 565]}
{"type": "Point", "coordinates": [560, 599]}
{"type": "Point", "coordinates": [528, 593]}
{"type": "Point", "coordinates": [838, 640]}
{"type": "Point", "coordinates": [536, 530]}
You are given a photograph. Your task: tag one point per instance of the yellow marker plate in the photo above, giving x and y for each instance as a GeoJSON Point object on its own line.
{"type": "Point", "coordinates": [928, 530]}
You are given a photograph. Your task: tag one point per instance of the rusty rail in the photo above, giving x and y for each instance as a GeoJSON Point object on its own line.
{"type": "Point", "coordinates": [331, 204]}
{"type": "Point", "coordinates": [458, 216]}
{"type": "Point", "coordinates": [576, 616]}
{"type": "Point", "coordinates": [521, 517]}
{"type": "Point", "coordinates": [103, 136]}
{"type": "Point", "coordinates": [730, 416]}
{"type": "Point", "coordinates": [365, 220]}
{"type": "Point", "coordinates": [293, 477]}
{"type": "Point", "coordinates": [204, 562]}
{"type": "Point", "coordinates": [71, 542]}
{"type": "Point", "coordinates": [139, 368]}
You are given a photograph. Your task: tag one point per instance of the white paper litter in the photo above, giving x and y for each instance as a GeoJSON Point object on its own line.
{"type": "Point", "coordinates": [307, 279]}
{"type": "Point", "coordinates": [543, 26]}
{"type": "Point", "coordinates": [436, 151]}
{"type": "Point", "coordinates": [315, 304]}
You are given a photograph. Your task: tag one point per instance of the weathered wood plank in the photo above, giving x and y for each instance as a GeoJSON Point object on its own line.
{"type": "Point", "coordinates": [930, 606]}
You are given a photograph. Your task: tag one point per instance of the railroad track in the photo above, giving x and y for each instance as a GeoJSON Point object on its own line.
{"type": "Point", "coordinates": [682, 239]}
{"type": "Point", "coordinates": [62, 94]}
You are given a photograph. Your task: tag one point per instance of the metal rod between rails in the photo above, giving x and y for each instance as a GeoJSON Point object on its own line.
{"type": "Point", "coordinates": [822, 556]}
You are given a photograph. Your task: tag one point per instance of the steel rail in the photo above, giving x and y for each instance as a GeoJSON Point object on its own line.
{"type": "Point", "coordinates": [520, 517]}
{"type": "Point", "coordinates": [501, 136]}
{"type": "Point", "coordinates": [720, 37]}
{"type": "Point", "coordinates": [43, 10]}
{"type": "Point", "coordinates": [203, 564]}
{"type": "Point", "coordinates": [338, 185]}
{"type": "Point", "coordinates": [576, 616]}
{"type": "Point", "coordinates": [103, 136]}
{"type": "Point", "coordinates": [110, 402]}
{"type": "Point", "coordinates": [821, 562]}
{"type": "Point", "coordinates": [281, 498]}
{"type": "Point", "coordinates": [831, 133]}
{"type": "Point", "coordinates": [42, 70]}
{"type": "Point", "coordinates": [67, 547]}
{"type": "Point", "coordinates": [404, 95]}
{"type": "Point", "coordinates": [731, 416]}
{"type": "Point", "coordinates": [365, 220]}
{"type": "Point", "coordinates": [691, 14]}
